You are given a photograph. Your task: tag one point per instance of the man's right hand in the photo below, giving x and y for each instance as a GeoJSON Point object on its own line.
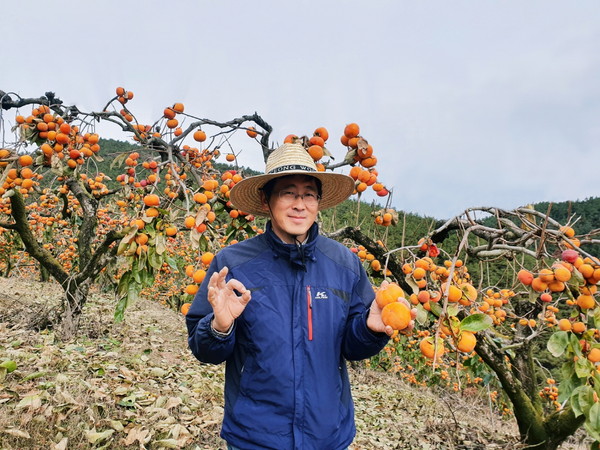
{"type": "Point", "coordinates": [227, 305]}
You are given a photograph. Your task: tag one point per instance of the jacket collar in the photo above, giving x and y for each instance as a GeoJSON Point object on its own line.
{"type": "Point", "coordinates": [297, 254]}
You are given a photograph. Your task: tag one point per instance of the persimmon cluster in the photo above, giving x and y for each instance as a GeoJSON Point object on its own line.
{"type": "Point", "coordinates": [57, 139]}
{"type": "Point", "coordinates": [571, 272]}
{"type": "Point", "coordinates": [358, 151]}
{"type": "Point", "coordinates": [386, 217]}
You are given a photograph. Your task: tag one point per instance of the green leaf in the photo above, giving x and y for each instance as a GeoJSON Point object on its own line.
{"type": "Point", "coordinates": [120, 309]}
{"type": "Point", "coordinates": [582, 399]}
{"type": "Point", "coordinates": [566, 389]}
{"type": "Point", "coordinates": [123, 286]}
{"type": "Point", "coordinates": [171, 262]}
{"type": "Point", "coordinates": [33, 376]}
{"type": "Point", "coordinates": [150, 231]}
{"type": "Point", "coordinates": [248, 229]}
{"type": "Point", "coordinates": [231, 230]}
{"type": "Point", "coordinates": [136, 274]}
{"type": "Point", "coordinates": [128, 402]}
{"type": "Point", "coordinates": [97, 370]}
{"type": "Point", "coordinates": [577, 278]}
{"type": "Point", "coordinates": [142, 258]}
{"type": "Point", "coordinates": [574, 402]}
{"type": "Point", "coordinates": [436, 308]}
{"type": "Point", "coordinates": [574, 345]}
{"type": "Point", "coordinates": [597, 318]}
{"type": "Point", "coordinates": [231, 236]}
{"type": "Point", "coordinates": [452, 309]}
{"type": "Point", "coordinates": [122, 247]}
{"type": "Point", "coordinates": [476, 322]}
{"type": "Point", "coordinates": [147, 278]}
{"type": "Point", "coordinates": [422, 315]}
{"type": "Point", "coordinates": [533, 296]}
{"type": "Point", "coordinates": [567, 370]}
{"type": "Point", "coordinates": [154, 259]}
{"type": "Point", "coordinates": [587, 401]}
{"type": "Point", "coordinates": [558, 342]}
{"type": "Point", "coordinates": [583, 367]}
{"type": "Point", "coordinates": [119, 160]}
{"type": "Point", "coordinates": [453, 323]}
{"type": "Point", "coordinates": [596, 381]}
{"type": "Point", "coordinates": [411, 282]}
{"type": "Point", "coordinates": [161, 244]}
{"type": "Point", "coordinates": [592, 424]}
{"type": "Point", "coordinates": [133, 292]}
{"type": "Point", "coordinates": [9, 365]}
{"type": "Point", "coordinates": [130, 250]}
{"type": "Point", "coordinates": [218, 207]}
{"type": "Point", "coordinates": [203, 243]}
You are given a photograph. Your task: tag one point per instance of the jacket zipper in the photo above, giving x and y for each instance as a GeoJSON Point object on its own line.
{"type": "Point", "coordinates": [309, 305]}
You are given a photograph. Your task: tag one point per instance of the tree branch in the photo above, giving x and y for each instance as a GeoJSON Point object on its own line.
{"type": "Point", "coordinates": [379, 252]}
{"type": "Point", "coordinates": [89, 220]}
{"type": "Point", "coordinates": [101, 257]}
{"type": "Point", "coordinates": [45, 258]}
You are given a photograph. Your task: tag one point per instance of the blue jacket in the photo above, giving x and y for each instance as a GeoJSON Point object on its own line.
{"type": "Point", "coordinates": [286, 381]}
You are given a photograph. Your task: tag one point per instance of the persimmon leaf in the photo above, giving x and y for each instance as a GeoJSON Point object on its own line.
{"type": "Point", "coordinates": [476, 322]}
{"type": "Point", "coordinates": [557, 344]}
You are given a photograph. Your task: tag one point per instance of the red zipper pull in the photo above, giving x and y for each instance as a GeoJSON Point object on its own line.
{"type": "Point", "coordinates": [309, 305]}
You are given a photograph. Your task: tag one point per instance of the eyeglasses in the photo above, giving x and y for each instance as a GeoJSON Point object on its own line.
{"type": "Point", "coordinates": [309, 198]}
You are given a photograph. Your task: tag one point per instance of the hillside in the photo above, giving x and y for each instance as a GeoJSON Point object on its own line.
{"type": "Point", "coordinates": [586, 212]}
{"type": "Point", "coordinates": [135, 385]}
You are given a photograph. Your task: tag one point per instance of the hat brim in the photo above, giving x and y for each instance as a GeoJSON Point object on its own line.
{"type": "Point", "coordinates": [335, 188]}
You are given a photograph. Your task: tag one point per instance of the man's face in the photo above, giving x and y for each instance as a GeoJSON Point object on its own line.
{"type": "Point", "coordinates": [291, 216]}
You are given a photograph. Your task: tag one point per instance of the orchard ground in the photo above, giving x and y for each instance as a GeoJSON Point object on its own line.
{"type": "Point", "coordinates": [135, 384]}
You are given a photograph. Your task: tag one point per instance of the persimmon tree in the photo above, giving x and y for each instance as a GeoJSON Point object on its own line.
{"type": "Point", "coordinates": [77, 223]}
{"type": "Point", "coordinates": [547, 298]}
{"type": "Point", "coordinates": [168, 212]}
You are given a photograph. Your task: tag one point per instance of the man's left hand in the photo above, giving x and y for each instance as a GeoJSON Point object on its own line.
{"type": "Point", "coordinates": [375, 323]}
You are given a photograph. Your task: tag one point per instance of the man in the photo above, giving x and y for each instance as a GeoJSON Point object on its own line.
{"type": "Point", "coordinates": [285, 310]}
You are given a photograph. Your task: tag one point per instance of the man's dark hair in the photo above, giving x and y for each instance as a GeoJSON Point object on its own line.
{"type": "Point", "coordinates": [269, 185]}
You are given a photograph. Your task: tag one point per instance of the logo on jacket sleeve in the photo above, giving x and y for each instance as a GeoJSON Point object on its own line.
{"type": "Point", "coordinates": [321, 295]}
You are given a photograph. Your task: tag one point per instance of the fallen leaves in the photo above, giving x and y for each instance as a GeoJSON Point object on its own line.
{"type": "Point", "coordinates": [94, 437]}
{"type": "Point", "coordinates": [17, 433]}
{"type": "Point", "coordinates": [135, 384]}
{"type": "Point", "coordinates": [33, 401]}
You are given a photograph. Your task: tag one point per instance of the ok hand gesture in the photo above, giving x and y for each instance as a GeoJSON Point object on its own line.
{"type": "Point", "coordinates": [226, 303]}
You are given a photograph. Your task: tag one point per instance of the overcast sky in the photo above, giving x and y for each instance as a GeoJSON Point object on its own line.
{"type": "Point", "coordinates": [466, 103]}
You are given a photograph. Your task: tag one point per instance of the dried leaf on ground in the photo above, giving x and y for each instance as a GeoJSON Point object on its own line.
{"type": "Point", "coordinates": [136, 385]}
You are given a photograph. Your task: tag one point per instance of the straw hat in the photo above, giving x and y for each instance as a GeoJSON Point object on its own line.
{"type": "Point", "coordinates": [290, 159]}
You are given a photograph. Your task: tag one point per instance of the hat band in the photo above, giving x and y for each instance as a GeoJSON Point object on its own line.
{"type": "Point", "coordinates": [292, 167]}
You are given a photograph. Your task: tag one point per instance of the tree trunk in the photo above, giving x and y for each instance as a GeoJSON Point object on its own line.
{"type": "Point", "coordinates": [561, 425]}
{"type": "Point", "coordinates": [9, 266]}
{"type": "Point", "coordinates": [73, 302]}
{"type": "Point", "coordinates": [44, 274]}
{"type": "Point", "coordinates": [538, 430]}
